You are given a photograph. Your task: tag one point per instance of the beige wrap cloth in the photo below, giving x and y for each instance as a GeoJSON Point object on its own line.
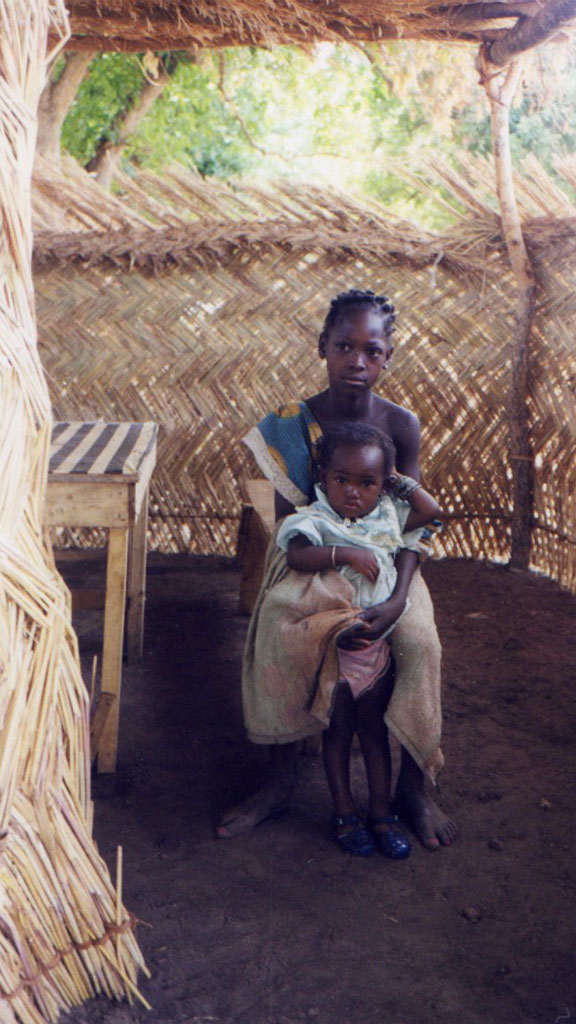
{"type": "Point", "coordinates": [290, 667]}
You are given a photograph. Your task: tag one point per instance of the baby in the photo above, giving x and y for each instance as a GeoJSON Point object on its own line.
{"type": "Point", "coordinates": [363, 515]}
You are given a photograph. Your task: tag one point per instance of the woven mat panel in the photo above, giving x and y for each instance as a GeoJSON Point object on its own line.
{"type": "Point", "coordinates": [552, 401]}
{"type": "Point", "coordinates": [449, 369]}
{"type": "Point", "coordinates": [210, 318]}
{"type": "Point", "coordinates": [206, 368]}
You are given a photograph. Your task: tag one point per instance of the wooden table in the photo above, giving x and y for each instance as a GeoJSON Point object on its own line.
{"type": "Point", "coordinates": [98, 476]}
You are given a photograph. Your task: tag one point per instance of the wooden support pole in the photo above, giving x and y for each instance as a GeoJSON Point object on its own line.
{"type": "Point", "coordinates": [500, 87]}
{"type": "Point", "coordinates": [113, 644]}
{"type": "Point", "coordinates": [137, 583]}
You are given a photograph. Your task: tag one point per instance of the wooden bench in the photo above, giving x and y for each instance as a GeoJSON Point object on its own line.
{"type": "Point", "coordinates": [98, 476]}
{"type": "Point", "coordinates": [257, 523]}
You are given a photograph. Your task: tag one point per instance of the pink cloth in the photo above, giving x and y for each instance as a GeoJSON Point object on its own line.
{"type": "Point", "coordinates": [362, 668]}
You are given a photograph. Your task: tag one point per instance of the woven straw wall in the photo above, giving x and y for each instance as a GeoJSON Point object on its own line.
{"type": "Point", "coordinates": [208, 345]}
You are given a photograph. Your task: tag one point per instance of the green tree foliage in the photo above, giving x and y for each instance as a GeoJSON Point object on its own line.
{"type": "Point", "coordinates": [111, 87]}
{"type": "Point", "coordinates": [336, 115]}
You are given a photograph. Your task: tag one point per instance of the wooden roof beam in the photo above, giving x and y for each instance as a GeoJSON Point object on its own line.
{"type": "Point", "coordinates": [529, 32]}
{"type": "Point", "coordinates": [478, 13]}
{"type": "Point", "coordinates": [171, 41]}
{"type": "Point", "coordinates": [162, 33]}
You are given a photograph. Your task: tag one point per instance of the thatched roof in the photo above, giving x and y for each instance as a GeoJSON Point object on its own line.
{"type": "Point", "coordinates": [188, 24]}
{"type": "Point", "coordinates": [154, 222]}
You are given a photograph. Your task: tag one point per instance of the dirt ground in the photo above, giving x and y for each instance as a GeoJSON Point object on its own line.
{"type": "Point", "coordinates": [279, 926]}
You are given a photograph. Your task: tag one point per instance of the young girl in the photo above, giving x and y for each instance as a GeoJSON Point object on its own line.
{"type": "Point", "coordinates": [356, 345]}
{"type": "Point", "coordinates": [356, 527]}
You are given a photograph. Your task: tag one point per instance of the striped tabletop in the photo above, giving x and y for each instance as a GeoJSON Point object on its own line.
{"type": "Point", "coordinates": [100, 448]}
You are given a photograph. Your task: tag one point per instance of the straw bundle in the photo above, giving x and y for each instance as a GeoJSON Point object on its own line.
{"type": "Point", "coordinates": [198, 306]}
{"type": "Point", "coordinates": [62, 936]}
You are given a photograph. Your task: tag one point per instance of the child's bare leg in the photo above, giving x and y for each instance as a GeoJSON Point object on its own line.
{"type": "Point", "coordinates": [336, 745]}
{"type": "Point", "coordinates": [349, 830]}
{"type": "Point", "coordinates": [414, 804]}
{"type": "Point", "coordinates": [273, 797]}
{"type": "Point", "coordinates": [373, 736]}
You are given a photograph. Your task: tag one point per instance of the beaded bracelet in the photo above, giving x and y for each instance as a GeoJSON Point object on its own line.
{"type": "Point", "coordinates": [404, 487]}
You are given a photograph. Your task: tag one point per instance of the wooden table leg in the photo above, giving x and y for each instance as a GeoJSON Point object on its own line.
{"type": "Point", "coordinates": [137, 584]}
{"type": "Point", "coordinates": [113, 641]}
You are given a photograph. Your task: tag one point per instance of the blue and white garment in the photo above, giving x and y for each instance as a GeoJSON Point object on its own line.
{"type": "Point", "coordinates": [380, 531]}
{"type": "Point", "coordinates": [283, 446]}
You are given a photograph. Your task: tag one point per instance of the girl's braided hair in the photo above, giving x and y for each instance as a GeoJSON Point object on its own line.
{"type": "Point", "coordinates": [355, 435]}
{"type": "Point", "coordinates": [354, 299]}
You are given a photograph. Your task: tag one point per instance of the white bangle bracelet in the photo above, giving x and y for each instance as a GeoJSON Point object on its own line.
{"type": "Point", "coordinates": [333, 556]}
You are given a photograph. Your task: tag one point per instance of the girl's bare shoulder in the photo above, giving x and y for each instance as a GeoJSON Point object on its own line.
{"type": "Point", "coordinates": [395, 419]}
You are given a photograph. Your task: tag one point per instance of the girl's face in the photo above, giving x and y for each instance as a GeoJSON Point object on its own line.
{"type": "Point", "coordinates": [356, 351]}
{"type": "Point", "coordinates": [354, 479]}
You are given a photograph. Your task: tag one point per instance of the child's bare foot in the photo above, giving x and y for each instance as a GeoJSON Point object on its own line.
{"type": "Point", "coordinates": [264, 803]}
{"type": "Point", "coordinates": [423, 816]}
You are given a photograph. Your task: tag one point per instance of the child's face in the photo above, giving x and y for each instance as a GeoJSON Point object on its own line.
{"type": "Point", "coordinates": [356, 351]}
{"type": "Point", "coordinates": [354, 480]}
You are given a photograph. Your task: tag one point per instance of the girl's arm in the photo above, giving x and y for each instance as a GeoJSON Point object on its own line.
{"type": "Point", "coordinates": [423, 509]}
{"type": "Point", "coordinates": [306, 557]}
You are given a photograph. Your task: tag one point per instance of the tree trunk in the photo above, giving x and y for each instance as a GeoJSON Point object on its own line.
{"type": "Point", "coordinates": [106, 160]}
{"type": "Point", "coordinates": [55, 102]}
{"type": "Point", "coordinates": [500, 87]}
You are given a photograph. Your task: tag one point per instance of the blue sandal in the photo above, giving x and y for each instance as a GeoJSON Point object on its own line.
{"type": "Point", "coordinates": [357, 840]}
{"type": "Point", "coordinates": [389, 841]}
